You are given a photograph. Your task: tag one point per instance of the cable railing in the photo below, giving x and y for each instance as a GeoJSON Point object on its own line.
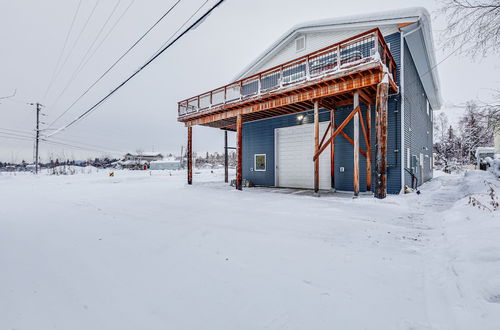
{"type": "Point", "coordinates": [366, 47]}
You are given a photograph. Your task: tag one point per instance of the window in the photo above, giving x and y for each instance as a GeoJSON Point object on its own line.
{"type": "Point", "coordinates": [300, 44]}
{"type": "Point", "coordinates": [408, 164]}
{"type": "Point", "coordinates": [428, 108]}
{"type": "Point", "coordinates": [260, 162]}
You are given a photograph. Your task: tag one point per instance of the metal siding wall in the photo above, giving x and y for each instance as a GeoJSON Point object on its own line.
{"type": "Point", "coordinates": [258, 138]}
{"type": "Point", "coordinates": [393, 125]}
{"type": "Point", "coordinates": [419, 139]}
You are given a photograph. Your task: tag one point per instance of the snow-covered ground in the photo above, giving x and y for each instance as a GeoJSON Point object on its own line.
{"type": "Point", "coordinates": [145, 251]}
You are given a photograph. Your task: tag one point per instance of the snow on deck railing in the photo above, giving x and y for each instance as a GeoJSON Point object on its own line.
{"type": "Point", "coordinates": [362, 48]}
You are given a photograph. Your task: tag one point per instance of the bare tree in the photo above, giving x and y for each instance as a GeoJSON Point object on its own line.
{"type": "Point", "coordinates": [473, 26]}
{"type": "Point", "coordinates": [441, 126]}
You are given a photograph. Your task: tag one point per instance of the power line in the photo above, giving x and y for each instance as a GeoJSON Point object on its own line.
{"type": "Point", "coordinates": [15, 130]}
{"type": "Point", "coordinates": [107, 34]}
{"type": "Point", "coordinates": [63, 49]}
{"type": "Point", "coordinates": [77, 70]}
{"type": "Point", "coordinates": [195, 24]}
{"type": "Point", "coordinates": [183, 24]}
{"type": "Point", "coordinates": [82, 147]}
{"type": "Point", "coordinates": [72, 144]}
{"type": "Point", "coordinates": [117, 61]}
{"type": "Point", "coordinates": [9, 96]}
{"type": "Point", "coordinates": [13, 137]}
{"type": "Point", "coordinates": [77, 39]}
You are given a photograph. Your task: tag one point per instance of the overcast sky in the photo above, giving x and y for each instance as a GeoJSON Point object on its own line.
{"type": "Point", "coordinates": [143, 114]}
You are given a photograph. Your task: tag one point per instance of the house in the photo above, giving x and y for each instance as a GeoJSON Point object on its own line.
{"type": "Point", "coordinates": [143, 156]}
{"type": "Point", "coordinates": [166, 164]}
{"type": "Point", "coordinates": [339, 104]}
{"type": "Point", "coordinates": [140, 160]}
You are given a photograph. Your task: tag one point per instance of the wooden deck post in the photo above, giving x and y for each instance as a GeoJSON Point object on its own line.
{"type": "Point", "coordinates": [226, 160]}
{"type": "Point", "coordinates": [316, 145]}
{"type": "Point", "coordinates": [369, 148]}
{"type": "Point", "coordinates": [190, 155]}
{"type": "Point", "coordinates": [332, 150]}
{"type": "Point", "coordinates": [239, 155]}
{"type": "Point", "coordinates": [356, 145]}
{"type": "Point", "coordinates": [381, 132]}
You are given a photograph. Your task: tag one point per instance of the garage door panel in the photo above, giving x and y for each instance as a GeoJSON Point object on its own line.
{"type": "Point", "coordinates": [294, 154]}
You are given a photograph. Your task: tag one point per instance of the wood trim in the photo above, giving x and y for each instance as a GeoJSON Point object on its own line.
{"type": "Point", "coordinates": [337, 131]}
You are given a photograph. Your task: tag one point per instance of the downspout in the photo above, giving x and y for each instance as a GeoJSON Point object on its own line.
{"type": "Point", "coordinates": [402, 81]}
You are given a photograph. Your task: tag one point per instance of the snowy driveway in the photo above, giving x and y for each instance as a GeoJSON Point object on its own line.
{"type": "Point", "coordinates": [148, 252]}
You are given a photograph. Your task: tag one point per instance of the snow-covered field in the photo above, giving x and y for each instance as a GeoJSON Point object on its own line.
{"type": "Point", "coordinates": [140, 251]}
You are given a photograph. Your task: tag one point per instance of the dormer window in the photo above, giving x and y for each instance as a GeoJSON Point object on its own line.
{"type": "Point", "coordinates": [300, 43]}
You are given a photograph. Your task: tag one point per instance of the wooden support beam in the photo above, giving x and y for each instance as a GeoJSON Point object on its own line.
{"type": "Point", "coordinates": [366, 98]}
{"type": "Point", "coordinates": [239, 153]}
{"type": "Point", "coordinates": [325, 134]}
{"type": "Point", "coordinates": [363, 128]}
{"type": "Point", "coordinates": [356, 145]}
{"type": "Point", "coordinates": [226, 159]}
{"type": "Point", "coordinates": [332, 150]}
{"type": "Point", "coordinates": [381, 132]}
{"type": "Point", "coordinates": [337, 131]}
{"type": "Point", "coordinates": [190, 156]}
{"type": "Point", "coordinates": [361, 151]}
{"type": "Point", "coordinates": [316, 146]}
{"type": "Point", "coordinates": [369, 148]}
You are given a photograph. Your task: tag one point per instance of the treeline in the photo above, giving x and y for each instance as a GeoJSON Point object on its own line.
{"type": "Point", "coordinates": [456, 146]}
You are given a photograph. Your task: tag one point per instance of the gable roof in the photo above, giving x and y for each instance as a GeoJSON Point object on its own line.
{"type": "Point", "coordinates": [420, 39]}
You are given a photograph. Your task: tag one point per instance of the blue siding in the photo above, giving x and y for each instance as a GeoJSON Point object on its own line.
{"type": "Point", "coordinates": [417, 123]}
{"type": "Point", "coordinates": [258, 138]}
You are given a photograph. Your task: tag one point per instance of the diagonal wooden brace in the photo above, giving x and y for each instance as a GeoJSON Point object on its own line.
{"type": "Point", "coordinates": [337, 131]}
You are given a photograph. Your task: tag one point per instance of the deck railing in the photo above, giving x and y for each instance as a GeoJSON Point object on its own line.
{"type": "Point", "coordinates": [366, 47]}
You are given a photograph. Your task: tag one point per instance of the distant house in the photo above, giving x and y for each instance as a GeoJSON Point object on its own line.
{"type": "Point", "coordinates": [143, 156]}
{"type": "Point", "coordinates": [482, 153]}
{"type": "Point", "coordinates": [358, 91]}
{"type": "Point", "coordinates": [166, 164]}
{"type": "Point", "coordinates": [139, 160]}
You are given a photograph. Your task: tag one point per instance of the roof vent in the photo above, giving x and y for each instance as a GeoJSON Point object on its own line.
{"type": "Point", "coordinates": [300, 44]}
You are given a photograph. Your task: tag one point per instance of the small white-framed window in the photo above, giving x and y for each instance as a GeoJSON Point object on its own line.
{"type": "Point", "coordinates": [428, 108]}
{"type": "Point", "coordinates": [300, 43]}
{"type": "Point", "coordinates": [259, 163]}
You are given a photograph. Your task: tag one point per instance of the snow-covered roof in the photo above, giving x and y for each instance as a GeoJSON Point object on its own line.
{"type": "Point", "coordinates": [145, 153]}
{"type": "Point", "coordinates": [169, 160]}
{"type": "Point", "coordinates": [417, 15]}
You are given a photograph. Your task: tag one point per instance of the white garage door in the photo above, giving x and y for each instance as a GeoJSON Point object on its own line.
{"type": "Point", "coordinates": [294, 157]}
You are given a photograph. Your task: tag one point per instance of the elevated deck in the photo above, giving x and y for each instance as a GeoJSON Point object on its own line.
{"type": "Point", "coordinates": [358, 70]}
{"type": "Point", "coordinates": [331, 74]}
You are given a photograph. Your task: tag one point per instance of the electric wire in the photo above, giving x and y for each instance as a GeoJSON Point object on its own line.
{"type": "Point", "coordinates": [77, 39]}
{"type": "Point", "coordinates": [77, 70]}
{"type": "Point", "coordinates": [63, 49]}
{"type": "Point", "coordinates": [116, 62]}
{"type": "Point", "coordinates": [84, 114]}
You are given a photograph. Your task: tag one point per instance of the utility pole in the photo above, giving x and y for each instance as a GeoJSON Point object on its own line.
{"type": "Point", "coordinates": [37, 131]}
{"type": "Point", "coordinates": [37, 136]}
